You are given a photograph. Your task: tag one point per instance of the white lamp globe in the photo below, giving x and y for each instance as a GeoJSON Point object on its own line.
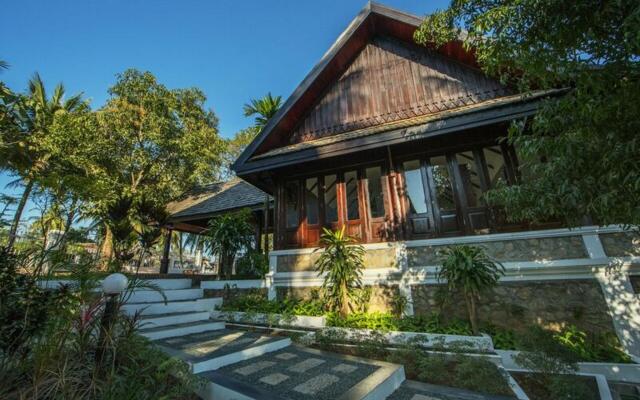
{"type": "Point", "coordinates": [114, 284]}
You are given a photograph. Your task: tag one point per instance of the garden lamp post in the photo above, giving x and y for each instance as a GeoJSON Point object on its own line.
{"type": "Point", "coordinates": [112, 286]}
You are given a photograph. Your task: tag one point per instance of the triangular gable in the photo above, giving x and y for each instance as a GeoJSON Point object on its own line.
{"type": "Point", "coordinates": [373, 21]}
{"type": "Point", "coordinates": [392, 80]}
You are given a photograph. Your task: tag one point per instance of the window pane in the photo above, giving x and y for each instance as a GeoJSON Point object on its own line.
{"type": "Point", "coordinates": [330, 199]}
{"type": "Point", "coordinates": [470, 178]}
{"type": "Point", "coordinates": [442, 180]}
{"type": "Point", "coordinates": [311, 200]}
{"type": "Point", "coordinates": [374, 186]}
{"type": "Point", "coordinates": [351, 186]}
{"type": "Point", "coordinates": [414, 188]}
{"type": "Point", "coordinates": [291, 204]}
{"type": "Point", "coordinates": [495, 165]}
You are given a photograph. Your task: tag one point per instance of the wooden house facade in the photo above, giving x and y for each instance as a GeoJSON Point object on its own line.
{"type": "Point", "coordinates": [393, 140]}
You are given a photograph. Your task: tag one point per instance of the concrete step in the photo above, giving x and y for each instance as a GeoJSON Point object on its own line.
{"type": "Point", "coordinates": [212, 350]}
{"type": "Point", "coordinates": [298, 372]}
{"type": "Point", "coordinates": [151, 296]}
{"type": "Point", "coordinates": [154, 321]}
{"type": "Point", "coordinates": [419, 390]}
{"type": "Point", "coordinates": [171, 284]}
{"type": "Point", "coordinates": [173, 307]}
{"type": "Point", "coordinates": [170, 331]}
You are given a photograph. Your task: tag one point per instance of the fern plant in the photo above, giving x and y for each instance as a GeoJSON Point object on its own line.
{"type": "Point", "coordinates": [470, 270]}
{"type": "Point", "coordinates": [343, 261]}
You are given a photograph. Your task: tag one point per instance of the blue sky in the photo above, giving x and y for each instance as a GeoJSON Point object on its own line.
{"type": "Point", "coordinates": [232, 50]}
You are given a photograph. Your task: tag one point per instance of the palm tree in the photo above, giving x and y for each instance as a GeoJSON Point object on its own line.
{"type": "Point", "coordinates": [33, 115]}
{"type": "Point", "coordinates": [342, 259]}
{"type": "Point", "coordinates": [226, 235]}
{"type": "Point", "coordinates": [470, 270]}
{"type": "Point", "coordinates": [263, 108]}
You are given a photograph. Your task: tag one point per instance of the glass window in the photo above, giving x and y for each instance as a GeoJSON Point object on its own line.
{"type": "Point", "coordinates": [443, 184]}
{"type": "Point", "coordinates": [351, 186]}
{"type": "Point", "coordinates": [374, 187]}
{"type": "Point", "coordinates": [311, 200]}
{"type": "Point", "coordinates": [495, 165]}
{"type": "Point", "coordinates": [414, 188]}
{"type": "Point", "coordinates": [330, 199]}
{"type": "Point", "coordinates": [468, 166]}
{"type": "Point", "coordinates": [292, 205]}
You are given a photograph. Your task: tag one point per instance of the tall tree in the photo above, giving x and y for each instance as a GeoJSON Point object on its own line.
{"type": "Point", "coordinates": [263, 109]}
{"type": "Point", "coordinates": [24, 133]}
{"type": "Point", "coordinates": [148, 141]}
{"type": "Point", "coordinates": [588, 138]}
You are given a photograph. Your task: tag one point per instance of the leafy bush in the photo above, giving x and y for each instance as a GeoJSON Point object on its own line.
{"type": "Point", "coordinates": [593, 347]}
{"type": "Point", "coordinates": [256, 301]}
{"type": "Point", "coordinates": [389, 322]}
{"type": "Point", "coordinates": [254, 264]}
{"type": "Point", "coordinates": [227, 234]}
{"type": "Point", "coordinates": [587, 346]}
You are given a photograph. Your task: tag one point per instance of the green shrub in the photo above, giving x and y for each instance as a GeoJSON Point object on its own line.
{"type": "Point", "coordinates": [480, 374]}
{"type": "Point", "coordinates": [254, 264]}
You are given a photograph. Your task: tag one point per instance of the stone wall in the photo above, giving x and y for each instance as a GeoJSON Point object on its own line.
{"type": "Point", "coordinates": [554, 248]}
{"type": "Point", "coordinates": [374, 259]}
{"type": "Point", "coordinates": [511, 305]}
{"type": "Point", "coordinates": [381, 296]}
{"type": "Point", "coordinates": [621, 244]}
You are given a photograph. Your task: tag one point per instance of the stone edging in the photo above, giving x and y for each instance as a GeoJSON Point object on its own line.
{"type": "Point", "coordinates": [300, 321]}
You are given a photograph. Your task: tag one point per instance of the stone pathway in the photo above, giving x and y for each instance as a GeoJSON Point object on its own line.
{"type": "Point", "coordinates": [296, 373]}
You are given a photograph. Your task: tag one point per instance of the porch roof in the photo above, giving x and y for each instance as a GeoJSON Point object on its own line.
{"type": "Point", "coordinates": [216, 198]}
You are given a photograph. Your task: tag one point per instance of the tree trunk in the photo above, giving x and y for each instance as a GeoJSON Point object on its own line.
{"type": "Point", "coordinates": [18, 214]}
{"type": "Point", "coordinates": [473, 318]}
{"type": "Point", "coordinates": [106, 251]}
{"type": "Point", "coordinates": [344, 306]}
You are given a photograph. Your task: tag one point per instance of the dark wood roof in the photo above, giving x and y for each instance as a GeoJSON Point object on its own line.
{"type": "Point", "coordinates": [216, 198]}
{"type": "Point", "coordinates": [373, 21]}
{"type": "Point", "coordinates": [391, 80]}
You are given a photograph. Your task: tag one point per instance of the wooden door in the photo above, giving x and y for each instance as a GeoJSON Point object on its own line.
{"type": "Point", "coordinates": [377, 203]}
{"type": "Point", "coordinates": [311, 225]}
{"type": "Point", "coordinates": [352, 198]}
{"type": "Point", "coordinates": [290, 208]}
{"type": "Point", "coordinates": [415, 195]}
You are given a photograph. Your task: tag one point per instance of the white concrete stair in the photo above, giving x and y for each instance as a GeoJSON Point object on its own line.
{"type": "Point", "coordinates": [170, 331]}
{"type": "Point", "coordinates": [173, 307]}
{"type": "Point", "coordinates": [152, 296]}
{"type": "Point", "coordinates": [158, 320]}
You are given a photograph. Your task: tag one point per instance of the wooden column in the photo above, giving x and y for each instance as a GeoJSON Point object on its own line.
{"type": "Point", "coordinates": [164, 263]}
{"type": "Point", "coordinates": [266, 224]}
{"type": "Point", "coordinates": [258, 232]}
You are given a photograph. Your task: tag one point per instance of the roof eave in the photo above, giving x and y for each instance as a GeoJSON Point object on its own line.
{"type": "Point", "coordinates": [358, 21]}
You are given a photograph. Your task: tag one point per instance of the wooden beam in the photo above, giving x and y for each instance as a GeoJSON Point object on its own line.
{"type": "Point", "coordinates": [164, 263]}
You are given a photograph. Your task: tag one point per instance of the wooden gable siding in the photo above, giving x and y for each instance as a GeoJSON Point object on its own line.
{"type": "Point", "coordinates": [392, 80]}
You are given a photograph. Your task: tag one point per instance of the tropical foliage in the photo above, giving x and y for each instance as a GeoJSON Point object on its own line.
{"type": "Point", "coordinates": [49, 342]}
{"type": "Point", "coordinates": [226, 235]}
{"type": "Point", "coordinates": [587, 137]}
{"type": "Point", "coordinates": [263, 109]}
{"type": "Point", "coordinates": [27, 131]}
{"type": "Point", "coordinates": [342, 260]}
{"type": "Point", "coordinates": [469, 270]}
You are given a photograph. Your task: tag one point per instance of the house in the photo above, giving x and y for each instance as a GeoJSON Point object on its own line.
{"type": "Point", "coordinates": [393, 140]}
{"type": "Point", "coordinates": [398, 143]}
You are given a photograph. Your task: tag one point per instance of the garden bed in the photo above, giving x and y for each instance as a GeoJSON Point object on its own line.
{"type": "Point", "coordinates": [474, 372]}
{"type": "Point", "coordinates": [584, 387]}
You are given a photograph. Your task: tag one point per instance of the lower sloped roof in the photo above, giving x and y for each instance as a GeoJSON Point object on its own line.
{"type": "Point", "coordinates": [216, 198]}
